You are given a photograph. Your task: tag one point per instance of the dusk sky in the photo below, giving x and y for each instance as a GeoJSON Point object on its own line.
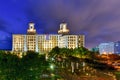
{"type": "Point", "coordinates": [98, 20]}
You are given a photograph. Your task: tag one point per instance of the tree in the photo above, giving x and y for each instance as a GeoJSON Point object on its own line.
{"type": "Point", "coordinates": [8, 66]}
{"type": "Point", "coordinates": [30, 67]}
{"type": "Point", "coordinates": [64, 52]}
{"type": "Point", "coordinates": [81, 52]}
{"type": "Point", "coordinates": [54, 52]}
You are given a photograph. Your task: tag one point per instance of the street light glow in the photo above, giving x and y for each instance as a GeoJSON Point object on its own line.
{"type": "Point", "coordinates": [52, 66]}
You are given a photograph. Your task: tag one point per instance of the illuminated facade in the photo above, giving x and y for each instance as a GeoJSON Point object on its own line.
{"type": "Point", "coordinates": [109, 48]}
{"type": "Point", "coordinates": [63, 29]}
{"type": "Point", "coordinates": [45, 42]}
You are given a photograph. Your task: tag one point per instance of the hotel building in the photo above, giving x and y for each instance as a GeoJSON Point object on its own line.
{"type": "Point", "coordinates": [45, 42]}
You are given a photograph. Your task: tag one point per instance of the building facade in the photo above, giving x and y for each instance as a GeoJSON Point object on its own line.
{"type": "Point", "coordinates": [45, 42]}
{"type": "Point", "coordinates": [117, 47]}
{"type": "Point", "coordinates": [109, 48]}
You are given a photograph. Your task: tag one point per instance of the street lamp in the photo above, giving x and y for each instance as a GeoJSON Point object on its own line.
{"type": "Point", "coordinates": [52, 66]}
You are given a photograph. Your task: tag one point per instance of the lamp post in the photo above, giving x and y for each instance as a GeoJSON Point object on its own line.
{"type": "Point", "coordinates": [52, 66]}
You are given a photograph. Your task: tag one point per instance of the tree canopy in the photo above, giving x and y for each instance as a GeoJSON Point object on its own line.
{"type": "Point", "coordinates": [29, 67]}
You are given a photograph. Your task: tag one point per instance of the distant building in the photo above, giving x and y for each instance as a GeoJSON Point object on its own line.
{"type": "Point", "coordinates": [95, 49]}
{"type": "Point", "coordinates": [45, 42]}
{"type": "Point", "coordinates": [109, 48]}
{"type": "Point", "coordinates": [117, 47]}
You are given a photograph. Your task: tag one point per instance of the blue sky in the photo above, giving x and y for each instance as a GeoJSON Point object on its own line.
{"type": "Point", "coordinates": [98, 20]}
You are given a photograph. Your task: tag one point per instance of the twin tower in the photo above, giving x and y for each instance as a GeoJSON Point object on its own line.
{"type": "Point", "coordinates": [63, 29]}
{"type": "Point", "coordinates": [43, 43]}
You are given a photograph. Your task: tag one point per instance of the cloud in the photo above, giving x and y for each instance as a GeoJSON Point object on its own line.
{"type": "Point", "coordinates": [5, 36]}
{"type": "Point", "coordinates": [97, 19]}
{"type": "Point", "coordinates": [5, 40]}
